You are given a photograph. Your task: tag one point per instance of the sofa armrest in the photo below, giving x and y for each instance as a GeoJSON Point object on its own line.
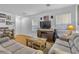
{"type": "Point", "coordinates": [61, 42]}
{"type": "Point", "coordinates": [37, 52]}
{"type": "Point", "coordinates": [59, 49]}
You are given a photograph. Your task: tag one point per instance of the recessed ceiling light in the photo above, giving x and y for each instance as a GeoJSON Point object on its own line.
{"type": "Point", "coordinates": [47, 5]}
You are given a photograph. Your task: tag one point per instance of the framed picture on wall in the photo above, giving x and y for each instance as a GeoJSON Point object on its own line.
{"type": "Point", "coordinates": [46, 18]}
{"type": "Point", "coordinates": [2, 15]}
{"type": "Point", "coordinates": [2, 20]}
{"type": "Point", "coordinates": [8, 17]}
{"type": "Point", "coordinates": [9, 23]}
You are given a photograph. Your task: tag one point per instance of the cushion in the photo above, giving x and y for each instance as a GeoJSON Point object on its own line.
{"type": "Point", "coordinates": [25, 50]}
{"type": "Point", "coordinates": [75, 47]}
{"type": "Point", "coordinates": [74, 50]}
{"type": "Point", "coordinates": [14, 48]}
{"type": "Point", "coordinates": [1, 34]}
{"type": "Point", "coordinates": [8, 43]}
{"type": "Point", "coordinates": [2, 40]}
{"type": "Point", "coordinates": [65, 49]}
{"type": "Point", "coordinates": [61, 42]}
{"type": "Point", "coordinates": [4, 51]}
{"type": "Point", "coordinates": [72, 38]}
{"type": "Point", "coordinates": [59, 49]}
{"type": "Point", "coordinates": [71, 43]}
{"type": "Point", "coordinates": [76, 43]}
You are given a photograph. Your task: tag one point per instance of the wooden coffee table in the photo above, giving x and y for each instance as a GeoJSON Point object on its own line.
{"type": "Point", "coordinates": [39, 43]}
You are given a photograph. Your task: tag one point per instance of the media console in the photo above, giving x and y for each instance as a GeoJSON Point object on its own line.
{"type": "Point", "coordinates": [45, 33]}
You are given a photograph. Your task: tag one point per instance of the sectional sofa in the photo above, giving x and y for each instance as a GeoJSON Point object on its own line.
{"type": "Point", "coordinates": [66, 47]}
{"type": "Point", "coordinates": [10, 46]}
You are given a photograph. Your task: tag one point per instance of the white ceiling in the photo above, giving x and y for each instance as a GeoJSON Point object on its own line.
{"type": "Point", "coordinates": [28, 9]}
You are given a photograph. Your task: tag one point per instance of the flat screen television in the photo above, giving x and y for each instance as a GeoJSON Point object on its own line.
{"type": "Point", "coordinates": [45, 24]}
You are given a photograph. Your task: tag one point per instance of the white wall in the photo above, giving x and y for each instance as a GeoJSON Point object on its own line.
{"type": "Point", "coordinates": [26, 25]}
{"type": "Point", "coordinates": [18, 25]}
{"type": "Point", "coordinates": [23, 25]}
{"type": "Point", "coordinates": [69, 9]}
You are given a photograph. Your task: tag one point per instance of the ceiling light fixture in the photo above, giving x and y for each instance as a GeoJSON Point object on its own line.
{"type": "Point", "coordinates": [47, 5]}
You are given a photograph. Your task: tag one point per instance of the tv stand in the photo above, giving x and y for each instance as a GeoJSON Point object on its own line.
{"type": "Point", "coordinates": [45, 33]}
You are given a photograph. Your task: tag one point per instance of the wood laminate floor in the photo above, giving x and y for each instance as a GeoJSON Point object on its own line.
{"type": "Point", "coordinates": [21, 39]}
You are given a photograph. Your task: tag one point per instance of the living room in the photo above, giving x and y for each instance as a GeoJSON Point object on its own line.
{"type": "Point", "coordinates": [42, 28]}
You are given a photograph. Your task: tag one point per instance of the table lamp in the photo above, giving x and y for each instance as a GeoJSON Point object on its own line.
{"type": "Point", "coordinates": [71, 27]}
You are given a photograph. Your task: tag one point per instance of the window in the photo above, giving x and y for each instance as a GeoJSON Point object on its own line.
{"type": "Point", "coordinates": [63, 19]}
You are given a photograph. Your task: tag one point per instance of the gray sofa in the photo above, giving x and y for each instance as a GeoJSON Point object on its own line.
{"type": "Point", "coordinates": [64, 47]}
{"type": "Point", "coordinates": [8, 46]}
